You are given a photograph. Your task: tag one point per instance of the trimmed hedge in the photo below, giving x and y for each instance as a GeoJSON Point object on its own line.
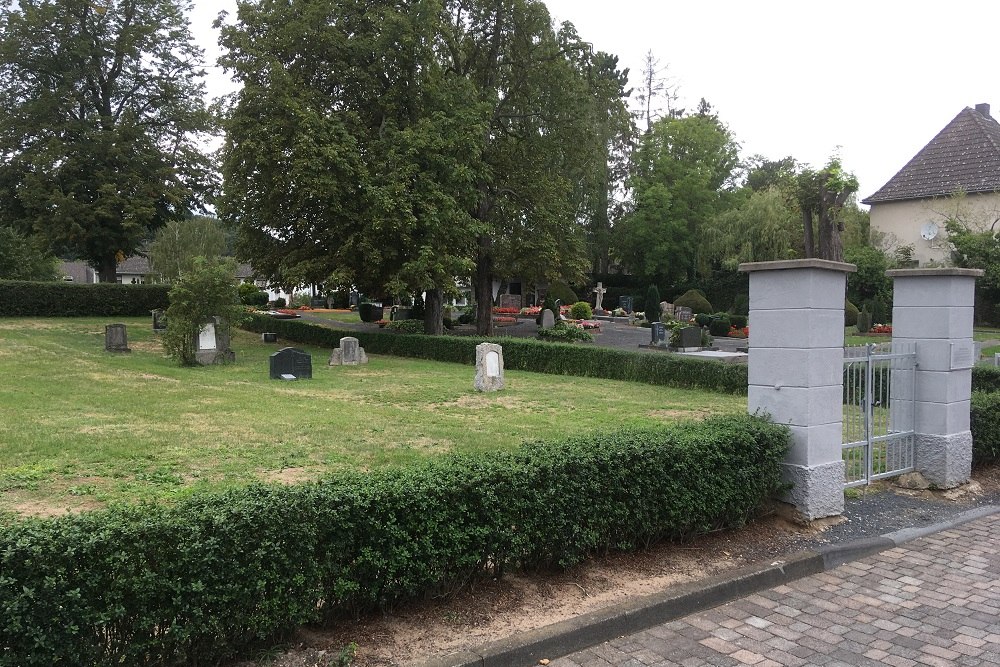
{"type": "Point", "coordinates": [218, 574]}
{"type": "Point", "coordinates": [527, 355]}
{"type": "Point", "coordinates": [985, 378]}
{"type": "Point", "coordinates": [19, 298]}
{"type": "Point", "coordinates": [985, 426]}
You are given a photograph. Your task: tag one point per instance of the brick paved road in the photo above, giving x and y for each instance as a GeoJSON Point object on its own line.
{"type": "Point", "coordinates": [935, 601]}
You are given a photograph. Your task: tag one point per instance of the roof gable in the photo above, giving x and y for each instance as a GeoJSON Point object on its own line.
{"type": "Point", "coordinates": [964, 156]}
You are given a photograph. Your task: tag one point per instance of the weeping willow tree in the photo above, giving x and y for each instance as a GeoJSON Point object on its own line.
{"type": "Point", "coordinates": [765, 227]}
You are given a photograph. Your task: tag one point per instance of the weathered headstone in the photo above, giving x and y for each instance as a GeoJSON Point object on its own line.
{"type": "Point", "coordinates": [510, 301]}
{"type": "Point", "coordinates": [350, 353]}
{"type": "Point", "coordinates": [489, 367]}
{"type": "Point", "coordinates": [269, 337]}
{"type": "Point", "coordinates": [211, 343]}
{"type": "Point", "coordinates": [599, 291]}
{"type": "Point", "coordinates": [659, 333]}
{"type": "Point", "coordinates": [625, 303]}
{"type": "Point", "coordinates": [159, 319]}
{"type": "Point", "coordinates": [116, 338]}
{"type": "Point", "coordinates": [666, 309]}
{"type": "Point", "coordinates": [690, 338]}
{"type": "Point", "coordinates": [683, 314]}
{"type": "Point", "coordinates": [548, 319]}
{"type": "Point", "coordinates": [291, 361]}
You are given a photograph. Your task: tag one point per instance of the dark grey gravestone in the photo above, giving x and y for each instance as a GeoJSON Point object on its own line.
{"type": "Point", "coordinates": [625, 303]}
{"type": "Point", "coordinates": [269, 337]}
{"type": "Point", "coordinates": [690, 337]}
{"type": "Point", "coordinates": [159, 319]}
{"type": "Point", "coordinates": [683, 314]}
{"type": "Point", "coordinates": [291, 361]}
{"type": "Point", "coordinates": [659, 332]}
{"type": "Point", "coordinates": [116, 338]}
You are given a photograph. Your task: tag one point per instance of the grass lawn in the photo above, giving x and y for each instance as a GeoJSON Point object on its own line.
{"type": "Point", "coordinates": [338, 315]}
{"type": "Point", "coordinates": [81, 427]}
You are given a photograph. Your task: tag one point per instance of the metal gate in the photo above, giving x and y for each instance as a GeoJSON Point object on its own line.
{"type": "Point", "coordinates": [879, 381]}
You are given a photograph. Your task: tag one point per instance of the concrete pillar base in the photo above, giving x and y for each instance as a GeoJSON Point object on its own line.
{"type": "Point", "coordinates": [944, 460]}
{"type": "Point", "coordinates": [817, 491]}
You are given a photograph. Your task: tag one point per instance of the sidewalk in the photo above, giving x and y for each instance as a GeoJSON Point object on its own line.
{"type": "Point", "coordinates": [928, 596]}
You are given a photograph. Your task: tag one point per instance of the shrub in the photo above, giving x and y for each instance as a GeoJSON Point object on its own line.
{"type": "Point", "coordinates": [864, 321]}
{"type": "Point", "coordinates": [280, 302]}
{"type": "Point", "coordinates": [406, 326]}
{"type": "Point", "coordinates": [563, 292]}
{"type": "Point", "coordinates": [850, 314]}
{"type": "Point", "coordinates": [207, 290]}
{"type": "Point", "coordinates": [581, 311]}
{"type": "Point", "coordinates": [197, 582]}
{"type": "Point", "coordinates": [694, 300]}
{"type": "Point", "coordinates": [702, 319]}
{"type": "Point", "coordinates": [548, 304]}
{"type": "Point", "coordinates": [985, 378]}
{"type": "Point", "coordinates": [738, 321]}
{"type": "Point", "coordinates": [719, 326]}
{"type": "Point", "coordinates": [19, 298]}
{"type": "Point", "coordinates": [251, 295]}
{"type": "Point", "coordinates": [370, 312]}
{"type": "Point", "coordinates": [525, 354]}
{"type": "Point", "coordinates": [564, 333]}
{"type": "Point", "coordinates": [652, 304]}
{"type": "Point", "coordinates": [985, 426]}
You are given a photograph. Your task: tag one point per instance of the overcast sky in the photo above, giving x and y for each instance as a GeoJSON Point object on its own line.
{"type": "Point", "coordinates": [874, 79]}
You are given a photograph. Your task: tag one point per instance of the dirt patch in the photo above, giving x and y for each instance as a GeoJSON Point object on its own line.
{"type": "Point", "coordinates": [288, 475]}
{"type": "Point", "coordinates": [672, 415]}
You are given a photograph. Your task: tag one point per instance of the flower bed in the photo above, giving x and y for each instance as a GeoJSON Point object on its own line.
{"type": "Point", "coordinates": [881, 329]}
{"type": "Point", "coordinates": [738, 333]}
{"type": "Point", "coordinates": [504, 321]}
{"type": "Point", "coordinates": [506, 311]}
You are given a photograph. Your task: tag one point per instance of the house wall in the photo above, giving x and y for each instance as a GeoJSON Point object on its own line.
{"type": "Point", "coordinates": [903, 220]}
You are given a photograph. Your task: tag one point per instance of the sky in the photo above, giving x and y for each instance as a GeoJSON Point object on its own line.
{"type": "Point", "coordinates": [870, 80]}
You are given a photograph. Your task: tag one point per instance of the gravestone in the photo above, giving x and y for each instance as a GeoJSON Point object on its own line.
{"type": "Point", "coordinates": [599, 291]}
{"type": "Point", "coordinates": [211, 343]}
{"type": "Point", "coordinates": [690, 338]}
{"type": "Point", "coordinates": [159, 320]}
{"type": "Point", "coordinates": [659, 333]}
{"type": "Point", "coordinates": [510, 301]}
{"type": "Point", "coordinates": [683, 314]}
{"type": "Point", "coordinates": [350, 353]}
{"type": "Point", "coordinates": [625, 303]}
{"type": "Point", "coordinates": [269, 337]}
{"type": "Point", "coordinates": [548, 319]}
{"type": "Point", "coordinates": [291, 363]}
{"type": "Point", "coordinates": [666, 309]}
{"type": "Point", "coordinates": [116, 338]}
{"type": "Point", "coordinates": [489, 367]}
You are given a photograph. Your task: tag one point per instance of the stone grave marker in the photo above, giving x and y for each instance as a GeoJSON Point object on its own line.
{"type": "Point", "coordinates": [666, 309]}
{"type": "Point", "coordinates": [683, 314]}
{"type": "Point", "coordinates": [510, 301]}
{"type": "Point", "coordinates": [211, 344]}
{"type": "Point", "coordinates": [625, 303]}
{"type": "Point", "coordinates": [269, 337]}
{"type": "Point", "coordinates": [690, 338]}
{"type": "Point", "coordinates": [116, 338]}
{"type": "Point", "coordinates": [159, 319]}
{"type": "Point", "coordinates": [599, 291]}
{"type": "Point", "coordinates": [548, 319]}
{"type": "Point", "coordinates": [659, 333]}
{"type": "Point", "coordinates": [350, 353]}
{"type": "Point", "coordinates": [291, 363]}
{"type": "Point", "coordinates": [489, 367]}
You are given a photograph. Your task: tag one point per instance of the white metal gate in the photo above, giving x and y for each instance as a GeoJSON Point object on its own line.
{"type": "Point", "coordinates": [878, 411]}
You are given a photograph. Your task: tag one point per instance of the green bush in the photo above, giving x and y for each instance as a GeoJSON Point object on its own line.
{"type": "Point", "coordinates": [526, 354]}
{"type": "Point", "coordinates": [694, 300]}
{"type": "Point", "coordinates": [719, 326]}
{"type": "Point", "coordinates": [985, 426]}
{"type": "Point", "coordinates": [19, 298]}
{"type": "Point", "coordinates": [207, 290]}
{"type": "Point", "coordinates": [703, 319]}
{"type": "Point", "coordinates": [406, 326]}
{"type": "Point", "coordinates": [864, 321]}
{"type": "Point", "coordinates": [563, 292]}
{"type": "Point", "coordinates": [251, 295]}
{"type": "Point", "coordinates": [581, 310]}
{"type": "Point", "coordinates": [985, 378]}
{"type": "Point", "coordinates": [370, 312]}
{"type": "Point", "coordinates": [850, 314]}
{"type": "Point", "coordinates": [564, 333]}
{"type": "Point", "coordinates": [652, 304]}
{"type": "Point", "coordinates": [738, 321]}
{"type": "Point", "coordinates": [199, 582]}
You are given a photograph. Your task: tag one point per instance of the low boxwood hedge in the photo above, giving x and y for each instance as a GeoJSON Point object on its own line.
{"type": "Point", "coordinates": [528, 355]}
{"type": "Point", "coordinates": [21, 298]}
{"type": "Point", "coordinates": [216, 574]}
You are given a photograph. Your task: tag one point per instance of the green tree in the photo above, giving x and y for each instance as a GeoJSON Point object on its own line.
{"type": "Point", "coordinates": [763, 228]}
{"type": "Point", "coordinates": [680, 170]}
{"type": "Point", "coordinates": [205, 291]}
{"type": "Point", "coordinates": [978, 249]}
{"type": "Point", "coordinates": [101, 115]}
{"type": "Point", "coordinates": [24, 258]}
{"type": "Point", "coordinates": [178, 243]}
{"type": "Point", "coordinates": [822, 196]}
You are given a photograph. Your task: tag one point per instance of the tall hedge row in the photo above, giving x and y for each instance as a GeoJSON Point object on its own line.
{"type": "Point", "coordinates": [527, 354]}
{"type": "Point", "coordinates": [20, 298]}
{"type": "Point", "coordinates": [218, 573]}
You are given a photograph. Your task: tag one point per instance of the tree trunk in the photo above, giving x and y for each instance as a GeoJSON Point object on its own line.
{"type": "Point", "coordinates": [484, 286]}
{"type": "Point", "coordinates": [433, 312]}
{"type": "Point", "coordinates": [107, 270]}
{"type": "Point", "coordinates": [807, 230]}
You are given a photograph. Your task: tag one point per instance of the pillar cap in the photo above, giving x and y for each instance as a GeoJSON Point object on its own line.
{"type": "Point", "coordinates": [943, 271]}
{"type": "Point", "coordinates": [811, 263]}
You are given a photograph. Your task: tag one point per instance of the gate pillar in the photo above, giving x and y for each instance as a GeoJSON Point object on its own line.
{"type": "Point", "coordinates": [933, 308]}
{"type": "Point", "coordinates": [796, 372]}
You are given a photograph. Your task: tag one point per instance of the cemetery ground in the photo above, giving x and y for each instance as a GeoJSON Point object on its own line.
{"type": "Point", "coordinates": [82, 427]}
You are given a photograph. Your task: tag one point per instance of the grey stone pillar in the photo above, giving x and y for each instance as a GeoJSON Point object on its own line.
{"type": "Point", "coordinates": [933, 308]}
{"type": "Point", "coordinates": [796, 372]}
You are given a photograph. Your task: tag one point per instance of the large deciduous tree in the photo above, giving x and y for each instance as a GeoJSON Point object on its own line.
{"type": "Point", "coordinates": [101, 116]}
{"type": "Point", "coordinates": [177, 244]}
{"type": "Point", "coordinates": [822, 195]}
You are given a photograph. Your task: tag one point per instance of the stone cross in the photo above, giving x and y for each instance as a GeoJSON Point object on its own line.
{"type": "Point", "coordinates": [489, 367]}
{"type": "Point", "coordinates": [599, 291]}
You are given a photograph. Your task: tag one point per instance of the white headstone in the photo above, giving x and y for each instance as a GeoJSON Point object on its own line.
{"type": "Point", "coordinates": [206, 337]}
{"type": "Point", "coordinates": [489, 367]}
{"type": "Point", "coordinates": [548, 319]}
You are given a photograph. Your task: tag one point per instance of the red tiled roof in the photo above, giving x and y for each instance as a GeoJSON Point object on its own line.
{"type": "Point", "coordinates": [964, 156]}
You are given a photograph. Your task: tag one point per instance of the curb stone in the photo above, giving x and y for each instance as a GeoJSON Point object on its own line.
{"type": "Point", "coordinates": [642, 613]}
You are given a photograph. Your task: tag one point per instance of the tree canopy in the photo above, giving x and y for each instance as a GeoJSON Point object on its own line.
{"type": "Point", "coordinates": [101, 112]}
{"type": "Point", "coordinates": [174, 249]}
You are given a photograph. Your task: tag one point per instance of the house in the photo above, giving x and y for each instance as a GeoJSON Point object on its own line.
{"type": "Point", "coordinates": [963, 159]}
